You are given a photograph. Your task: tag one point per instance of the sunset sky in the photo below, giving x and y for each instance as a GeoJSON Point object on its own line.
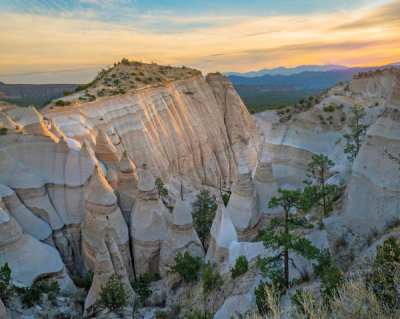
{"type": "Point", "coordinates": [62, 41]}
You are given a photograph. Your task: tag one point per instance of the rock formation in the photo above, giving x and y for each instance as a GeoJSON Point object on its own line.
{"type": "Point", "coordinates": [243, 204]}
{"type": "Point", "coordinates": [127, 185]}
{"type": "Point", "coordinates": [168, 127]}
{"type": "Point", "coordinates": [148, 225]}
{"type": "Point", "coordinates": [105, 237]}
{"type": "Point", "coordinates": [18, 249]}
{"type": "Point", "coordinates": [181, 237]}
{"type": "Point", "coordinates": [3, 313]}
{"type": "Point", "coordinates": [265, 183]}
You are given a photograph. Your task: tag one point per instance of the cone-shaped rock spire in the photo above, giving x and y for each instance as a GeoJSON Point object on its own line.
{"type": "Point", "coordinates": [105, 150]}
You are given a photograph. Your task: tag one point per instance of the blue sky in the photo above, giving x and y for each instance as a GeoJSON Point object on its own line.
{"type": "Point", "coordinates": [49, 36]}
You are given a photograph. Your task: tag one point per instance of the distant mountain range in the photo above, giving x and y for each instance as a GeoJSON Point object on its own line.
{"type": "Point", "coordinates": [298, 79]}
{"type": "Point", "coordinates": [289, 71]}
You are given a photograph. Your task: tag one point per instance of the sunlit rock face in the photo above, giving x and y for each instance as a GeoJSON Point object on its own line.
{"type": "Point", "coordinates": [105, 237]}
{"type": "Point", "coordinates": [180, 237]}
{"type": "Point", "coordinates": [148, 225]}
{"type": "Point", "coordinates": [243, 204]}
{"type": "Point", "coordinates": [192, 127]}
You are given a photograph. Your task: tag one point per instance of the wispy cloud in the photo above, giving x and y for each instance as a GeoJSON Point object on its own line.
{"type": "Point", "coordinates": [36, 40]}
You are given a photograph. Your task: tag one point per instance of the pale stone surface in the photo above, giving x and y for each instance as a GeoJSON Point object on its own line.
{"type": "Point", "coordinates": [243, 204]}
{"type": "Point", "coordinates": [169, 129]}
{"type": "Point", "coordinates": [3, 313]}
{"type": "Point", "coordinates": [181, 237]}
{"type": "Point", "coordinates": [148, 225]}
{"type": "Point", "coordinates": [105, 150]}
{"type": "Point", "coordinates": [105, 237]}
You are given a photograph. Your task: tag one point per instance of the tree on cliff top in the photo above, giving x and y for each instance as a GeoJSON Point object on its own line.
{"type": "Point", "coordinates": [357, 134]}
{"type": "Point", "coordinates": [204, 208]}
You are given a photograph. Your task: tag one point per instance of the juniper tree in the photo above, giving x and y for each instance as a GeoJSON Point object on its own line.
{"type": "Point", "coordinates": [281, 235]}
{"type": "Point", "coordinates": [357, 134]}
{"type": "Point", "coordinates": [204, 208]}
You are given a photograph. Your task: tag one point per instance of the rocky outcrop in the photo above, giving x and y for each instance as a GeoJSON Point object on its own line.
{"type": "Point", "coordinates": [18, 249]}
{"type": "Point", "coordinates": [222, 235]}
{"type": "Point", "coordinates": [372, 199]}
{"type": "Point", "coordinates": [148, 225]}
{"type": "Point", "coordinates": [181, 237]}
{"type": "Point", "coordinates": [105, 237]}
{"type": "Point", "coordinates": [243, 204]}
{"type": "Point", "coordinates": [127, 185]}
{"type": "Point", "coordinates": [265, 183]}
{"type": "Point", "coordinates": [168, 127]}
{"type": "Point", "coordinates": [3, 313]}
{"type": "Point", "coordinates": [105, 150]}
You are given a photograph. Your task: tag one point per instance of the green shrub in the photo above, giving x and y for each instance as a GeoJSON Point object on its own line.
{"type": "Point", "coordinates": [113, 295]}
{"type": "Point", "coordinates": [161, 314]}
{"type": "Point", "coordinates": [158, 79]}
{"type": "Point", "coordinates": [84, 86]}
{"type": "Point", "coordinates": [225, 198]}
{"type": "Point", "coordinates": [141, 73]}
{"type": "Point", "coordinates": [6, 286]}
{"type": "Point", "coordinates": [197, 314]}
{"type": "Point", "coordinates": [142, 286]}
{"type": "Point", "coordinates": [116, 81]}
{"type": "Point", "coordinates": [298, 301]}
{"type": "Point", "coordinates": [329, 108]}
{"type": "Point", "coordinates": [86, 281]}
{"type": "Point", "coordinates": [241, 266]}
{"type": "Point", "coordinates": [212, 279]}
{"type": "Point", "coordinates": [67, 92]}
{"type": "Point", "coordinates": [3, 131]}
{"type": "Point", "coordinates": [60, 103]}
{"type": "Point", "coordinates": [138, 78]}
{"type": "Point", "coordinates": [113, 75]}
{"type": "Point", "coordinates": [31, 296]}
{"type": "Point", "coordinates": [125, 61]}
{"type": "Point", "coordinates": [122, 91]}
{"type": "Point", "coordinates": [186, 266]}
{"type": "Point", "coordinates": [331, 280]}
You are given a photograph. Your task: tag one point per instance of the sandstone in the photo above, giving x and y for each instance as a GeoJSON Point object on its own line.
{"type": "Point", "coordinates": [127, 185]}
{"type": "Point", "coordinates": [105, 237]}
{"type": "Point", "coordinates": [243, 204]}
{"type": "Point", "coordinates": [106, 151]}
{"type": "Point", "coordinates": [148, 225]}
{"type": "Point", "coordinates": [181, 237]}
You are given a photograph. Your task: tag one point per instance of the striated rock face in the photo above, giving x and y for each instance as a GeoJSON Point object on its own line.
{"type": "Point", "coordinates": [265, 183]}
{"type": "Point", "coordinates": [105, 150]}
{"type": "Point", "coordinates": [181, 237]}
{"type": "Point", "coordinates": [105, 237]}
{"type": "Point", "coordinates": [127, 185]}
{"type": "Point", "coordinates": [18, 249]}
{"type": "Point", "coordinates": [168, 127]}
{"type": "Point", "coordinates": [243, 204]}
{"type": "Point", "coordinates": [148, 225]}
{"type": "Point", "coordinates": [372, 198]}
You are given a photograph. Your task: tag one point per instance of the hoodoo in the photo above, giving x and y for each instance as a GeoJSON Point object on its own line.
{"type": "Point", "coordinates": [106, 151]}
{"type": "Point", "coordinates": [243, 204]}
{"type": "Point", "coordinates": [105, 237]}
{"type": "Point", "coordinates": [181, 237]}
{"type": "Point", "coordinates": [148, 225]}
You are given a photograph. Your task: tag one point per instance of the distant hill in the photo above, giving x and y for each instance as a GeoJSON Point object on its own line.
{"type": "Point", "coordinates": [315, 80]}
{"type": "Point", "coordinates": [289, 71]}
{"type": "Point", "coordinates": [37, 94]}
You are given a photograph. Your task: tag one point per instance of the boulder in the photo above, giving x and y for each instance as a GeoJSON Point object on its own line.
{"type": "Point", "coordinates": [181, 237]}
{"type": "Point", "coordinates": [148, 225]}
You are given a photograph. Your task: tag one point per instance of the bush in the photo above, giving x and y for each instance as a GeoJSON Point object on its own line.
{"type": "Point", "coordinates": [197, 314]}
{"type": "Point", "coordinates": [84, 86]}
{"type": "Point", "coordinates": [186, 266]}
{"type": "Point", "coordinates": [6, 286]}
{"type": "Point", "coordinates": [3, 131]}
{"type": "Point", "coordinates": [329, 108]}
{"type": "Point", "coordinates": [331, 279]}
{"type": "Point", "coordinates": [60, 103]}
{"type": "Point", "coordinates": [141, 73]}
{"type": "Point", "coordinates": [211, 278]}
{"type": "Point", "coordinates": [225, 198]}
{"type": "Point", "coordinates": [125, 61]}
{"type": "Point", "coordinates": [324, 262]}
{"type": "Point", "coordinates": [267, 299]}
{"type": "Point", "coordinates": [67, 92]}
{"type": "Point", "coordinates": [138, 78]}
{"type": "Point", "coordinates": [86, 281]}
{"type": "Point", "coordinates": [122, 91]}
{"type": "Point", "coordinates": [142, 286]}
{"type": "Point", "coordinates": [241, 266]}
{"type": "Point", "coordinates": [113, 295]}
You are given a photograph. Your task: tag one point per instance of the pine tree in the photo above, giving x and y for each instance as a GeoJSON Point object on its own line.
{"type": "Point", "coordinates": [203, 215]}
{"type": "Point", "coordinates": [357, 134]}
{"type": "Point", "coordinates": [280, 235]}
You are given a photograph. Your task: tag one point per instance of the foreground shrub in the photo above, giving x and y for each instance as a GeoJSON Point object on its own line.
{"type": "Point", "coordinates": [86, 281]}
{"type": "Point", "coordinates": [212, 279]}
{"type": "Point", "coordinates": [241, 266]}
{"type": "Point", "coordinates": [113, 295]}
{"type": "Point", "coordinates": [197, 314]}
{"type": "Point", "coordinates": [60, 103]}
{"type": "Point", "coordinates": [6, 286]}
{"type": "Point", "coordinates": [187, 266]}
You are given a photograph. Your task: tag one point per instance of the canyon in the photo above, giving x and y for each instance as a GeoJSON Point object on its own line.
{"type": "Point", "coordinates": [78, 180]}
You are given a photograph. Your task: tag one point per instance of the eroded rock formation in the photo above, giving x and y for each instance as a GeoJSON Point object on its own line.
{"type": "Point", "coordinates": [148, 225]}
{"type": "Point", "coordinates": [181, 237]}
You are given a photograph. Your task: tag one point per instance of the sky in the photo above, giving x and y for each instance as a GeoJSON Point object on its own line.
{"type": "Point", "coordinates": [69, 41]}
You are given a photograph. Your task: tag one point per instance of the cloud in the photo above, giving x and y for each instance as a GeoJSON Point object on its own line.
{"type": "Point", "coordinates": [74, 39]}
